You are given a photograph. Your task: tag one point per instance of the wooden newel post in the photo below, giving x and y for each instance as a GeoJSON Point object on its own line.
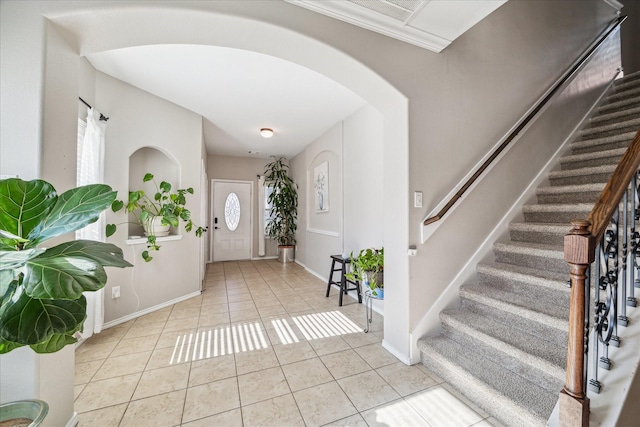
{"type": "Point", "coordinates": [579, 252]}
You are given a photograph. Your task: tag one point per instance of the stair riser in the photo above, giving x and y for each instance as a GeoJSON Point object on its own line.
{"type": "Point", "coordinates": [619, 105]}
{"type": "Point", "coordinates": [580, 179]}
{"type": "Point", "coordinates": [599, 161]}
{"type": "Point", "coordinates": [516, 285]}
{"type": "Point", "coordinates": [546, 237]}
{"type": "Point", "coordinates": [531, 261]}
{"type": "Point", "coordinates": [601, 147]}
{"type": "Point", "coordinates": [602, 131]}
{"type": "Point", "coordinates": [533, 373]}
{"type": "Point", "coordinates": [624, 114]}
{"type": "Point", "coordinates": [585, 197]}
{"type": "Point", "coordinates": [554, 217]}
{"type": "Point", "coordinates": [553, 335]}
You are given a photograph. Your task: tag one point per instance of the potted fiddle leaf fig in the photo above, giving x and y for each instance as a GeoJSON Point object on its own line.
{"type": "Point", "coordinates": [284, 208]}
{"type": "Point", "coordinates": [156, 215]}
{"type": "Point", "coordinates": [41, 300]}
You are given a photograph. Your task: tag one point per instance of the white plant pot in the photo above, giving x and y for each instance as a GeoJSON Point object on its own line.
{"type": "Point", "coordinates": [154, 227]}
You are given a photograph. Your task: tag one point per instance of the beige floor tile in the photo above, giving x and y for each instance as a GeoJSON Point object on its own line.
{"type": "Point", "coordinates": [329, 345]}
{"type": "Point", "coordinates": [361, 339]}
{"type": "Point", "coordinates": [157, 316]}
{"type": "Point", "coordinates": [256, 360]}
{"type": "Point", "coordinates": [211, 399]}
{"type": "Point", "coordinates": [375, 355]}
{"type": "Point", "coordinates": [77, 389]}
{"type": "Point", "coordinates": [238, 297]}
{"type": "Point", "coordinates": [305, 374]}
{"type": "Point", "coordinates": [262, 385]}
{"type": "Point", "coordinates": [213, 369]}
{"type": "Point", "coordinates": [123, 365]}
{"type": "Point", "coordinates": [244, 315]}
{"type": "Point", "coordinates": [184, 313]}
{"type": "Point", "coordinates": [344, 363]}
{"type": "Point", "coordinates": [163, 380]}
{"type": "Point", "coordinates": [405, 379]}
{"type": "Point", "coordinates": [232, 418]}
{"type": "Point", "coordinates": [100, 394]}
{"type": "Point", "coordinates": [464, 399]}
{"type": "Point", "coordinates": [135, 345]}
{"type": "Point", "coordinates": [209, 307]}
{"type": "Point", "coordinates": [396, 413]}
{"type": "Point", "coordinates": [164, 410]}
{"type": "Point", "coordinates": [291, 353]}
{"type": "Point", "coordinates": [86, 371]}
{"type": "Point", "coordinates": [193, 302]}
{"type": "Point", "coordinates": [161, 358]}
{"type": "Point", "coordinates": [368, 390]}
{"type": "Point", "coordinates": [279, 411]}
{"type": "Point", "coordinates": [272, 311]}
{"type": "Point", "coordinates": [214, 319]}
{"type": "Point", "coordinates": [114, 333]}
{"type": "Point", "coordinates": [439, 408]}
{"type": "Point", "coordinates": [266, 301]}
{"type": "Point", "coordinates": [352, 421]}
{"type": "Point", "coordinates": [170, 339]}
{"type": "Point", "coordinates": [93, 349]}
{"type": "Point", "coordinates": [242, 305]}
{"type": "Point", "coordinates": [106, 417]}
{"type": "Point", "coordinates": [180, 324]}
{"type": "Point", "coordinates": [323, 404]}
{"type": "Point", "coordinates": [145, 329]}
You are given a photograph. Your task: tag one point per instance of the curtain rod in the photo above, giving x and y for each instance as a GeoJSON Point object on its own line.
{"type": "Point", "coordinates": [102, 117]}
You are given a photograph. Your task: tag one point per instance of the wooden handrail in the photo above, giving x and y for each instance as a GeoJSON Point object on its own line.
{"type": "Point", "coordinates": [579, 252]}
{"type": "Point", "coordinates": [523, 122]}
{"type": "Point", "coordinates": [610, 198]}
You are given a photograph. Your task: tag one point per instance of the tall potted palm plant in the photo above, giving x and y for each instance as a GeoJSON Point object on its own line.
{"type": "Point", "coordinates": [284, 208]}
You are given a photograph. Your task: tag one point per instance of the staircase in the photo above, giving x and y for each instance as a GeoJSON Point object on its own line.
{"type": "Point", "coordinates": [505, 347]}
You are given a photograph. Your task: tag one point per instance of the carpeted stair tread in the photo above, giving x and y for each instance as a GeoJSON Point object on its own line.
{"type": "Point", "coordinates": [544, 310]}
{"type": "Point", "coordinates": [514, 400]}
{"type": "Point", "coordinates": [621, 140]}
{"type": "Point", "coordinates": [556, 212]}
{"type": "Point", "coordinates": [612, 128]}
{"type": "Point", "coordinates": [495, 271]}
{"type": "Point", "coordinates": [608, 117]}
{"type": "Point", "coordinates": [544, 332]}
{"type": "Point", "coordinates": [539, 232]}
{"type": "Point", "coordinates": [532, 255]}
{"type": "Point", "coordinates": [586, 157]}
{"type": "Point", "coordinates": [519, 351]}
{"type": "Point", "coordinates": [620, 103]}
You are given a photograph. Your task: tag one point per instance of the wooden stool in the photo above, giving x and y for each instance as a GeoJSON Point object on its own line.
{"type": "Point", "coordinates": [342, 268]}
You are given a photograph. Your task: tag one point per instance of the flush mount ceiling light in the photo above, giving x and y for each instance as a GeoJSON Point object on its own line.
{"type": "Point", "coordinates": [266, 132]}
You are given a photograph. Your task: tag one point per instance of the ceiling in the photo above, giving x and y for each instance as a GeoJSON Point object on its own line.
{"type": "Point", "coordinates": [238, 92]}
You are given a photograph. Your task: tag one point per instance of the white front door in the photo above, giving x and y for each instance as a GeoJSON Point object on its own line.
{"type": "Point", "coordinates": [231, 221]}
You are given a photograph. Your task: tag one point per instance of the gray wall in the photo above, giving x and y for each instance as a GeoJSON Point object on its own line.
{"type": "Point", "coordinates": [631, 36]}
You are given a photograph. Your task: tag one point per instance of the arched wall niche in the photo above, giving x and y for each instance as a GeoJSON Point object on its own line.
{"type": "Point", "coordinates": [161, 165]}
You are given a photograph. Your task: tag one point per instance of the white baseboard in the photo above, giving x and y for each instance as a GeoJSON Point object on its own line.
{"type": "Point", "coordinates": [73, 421]}
{"type": "Point", "coordinates": [401, 356]}
{"type": "Point", "coordinates": [149, 310]}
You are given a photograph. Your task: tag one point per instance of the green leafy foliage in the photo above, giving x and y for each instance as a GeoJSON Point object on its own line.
{"type": "Point", "coordinates": [368, 268]}
{"type": "Point", "coordinates": [41, 301]}
{"type": "Point", "coordinates": [165, 203]}
{"type": "Point", "coordinates": [283, 201]}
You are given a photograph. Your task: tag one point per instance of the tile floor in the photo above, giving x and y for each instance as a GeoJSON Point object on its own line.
{"type": "Point", "coordinates": [262, 346]}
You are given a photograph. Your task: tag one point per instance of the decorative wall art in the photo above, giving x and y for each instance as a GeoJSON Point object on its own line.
{"type": "Point", "coordinates": [321, 186]}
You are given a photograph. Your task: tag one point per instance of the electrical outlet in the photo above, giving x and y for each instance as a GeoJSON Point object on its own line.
{"type": "Point", "coordinates": [115, 292]}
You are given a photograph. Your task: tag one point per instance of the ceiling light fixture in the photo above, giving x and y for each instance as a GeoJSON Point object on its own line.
{"type": "Point", "coordinates": [266, 132]}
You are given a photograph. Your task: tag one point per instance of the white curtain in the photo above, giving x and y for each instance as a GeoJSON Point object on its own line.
{"type": "Point", "coordinates": [261, 203]}
{"type": "Point", "coordinates": [91, 171]}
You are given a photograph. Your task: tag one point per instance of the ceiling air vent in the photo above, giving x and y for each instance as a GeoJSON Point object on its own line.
{"type": "Point", "coordinates": [429, 24]}
{"type": "Point", "coordinates": [400, 10]}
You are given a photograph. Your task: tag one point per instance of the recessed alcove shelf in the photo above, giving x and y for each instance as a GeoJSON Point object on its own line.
{"type": "Point", "coordinates": [143, 240]}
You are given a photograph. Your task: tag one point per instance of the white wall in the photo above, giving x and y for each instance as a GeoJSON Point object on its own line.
{"type": "Point", "coordinates": [363, 167]}
{"type": "Point", "coordinates": [139, 119]}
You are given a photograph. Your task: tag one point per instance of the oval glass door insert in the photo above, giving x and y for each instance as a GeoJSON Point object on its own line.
{"type": "Point", "coordinates": [232, 211]}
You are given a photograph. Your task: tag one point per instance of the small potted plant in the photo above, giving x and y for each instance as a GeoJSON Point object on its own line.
{"type": "Point", "coordinates": [368, 269]}
{"type": "Point", "coordinates": [284, 208]}
{"type": "Point", "coordinates": [156, 215]}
